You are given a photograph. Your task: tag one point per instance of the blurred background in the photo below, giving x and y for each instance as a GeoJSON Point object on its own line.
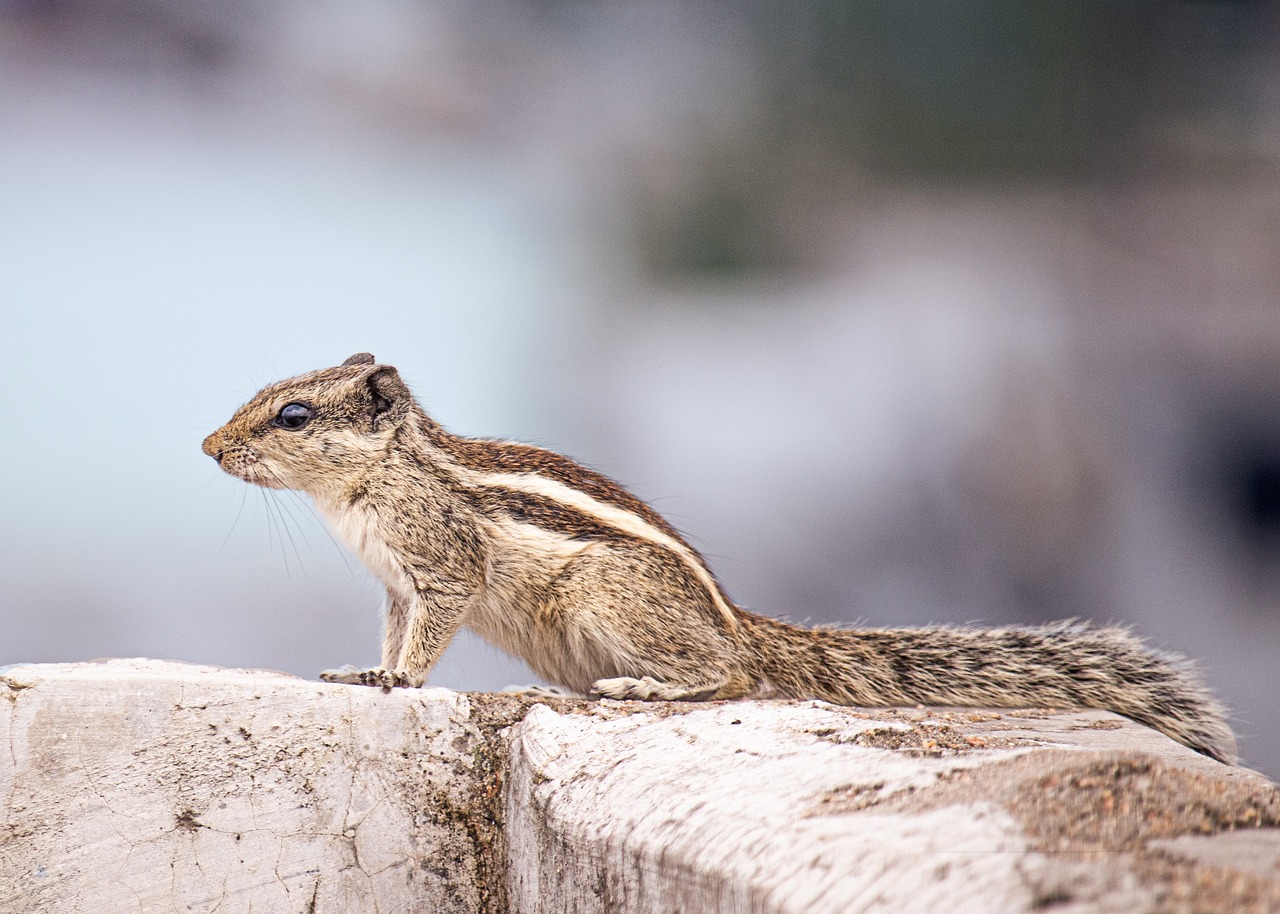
{"type": "Point", "coordinates": [905, 313]}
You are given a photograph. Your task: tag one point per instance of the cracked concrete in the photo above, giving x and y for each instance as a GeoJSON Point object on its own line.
{"type": "Point", "coordinates": [139, 786]}
{"type": "Point", "coordinates": [805, 807]}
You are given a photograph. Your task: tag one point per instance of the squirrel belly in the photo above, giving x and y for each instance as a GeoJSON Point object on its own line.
{"type": "Point", "coordinates": [597, 592]}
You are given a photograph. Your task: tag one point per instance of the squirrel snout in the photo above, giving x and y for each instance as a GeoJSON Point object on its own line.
{"type": "Point", "coordinates": [211, 447]}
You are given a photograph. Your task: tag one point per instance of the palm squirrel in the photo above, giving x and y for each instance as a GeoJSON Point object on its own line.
{"type": "Point", "coordinates": [562, 567]}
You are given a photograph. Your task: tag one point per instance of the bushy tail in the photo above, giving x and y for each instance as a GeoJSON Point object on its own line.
{"type": "Point", "coordinates": [1061, 665]}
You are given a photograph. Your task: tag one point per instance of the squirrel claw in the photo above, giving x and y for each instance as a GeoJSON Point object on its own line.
{"type": "Point", "coordinates": [386, 679]}
{"type": "Point", "coordinates": [377, 677]}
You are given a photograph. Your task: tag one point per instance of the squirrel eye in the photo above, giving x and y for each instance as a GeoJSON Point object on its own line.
{"type": "Point", "coordinates": [293, 416]}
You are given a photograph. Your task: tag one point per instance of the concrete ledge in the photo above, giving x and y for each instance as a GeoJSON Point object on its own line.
{"type": "Point", "coordinates": [135, 785]}
{"type": "Point", "coordinates": [145, 786]}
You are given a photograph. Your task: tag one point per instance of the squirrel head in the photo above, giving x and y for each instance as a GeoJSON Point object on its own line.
{"type": "Point", "coordinates": [315, 431]}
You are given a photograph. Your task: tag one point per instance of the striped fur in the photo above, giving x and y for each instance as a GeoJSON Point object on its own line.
{"type": "Point", "coordinates": [561, 566]}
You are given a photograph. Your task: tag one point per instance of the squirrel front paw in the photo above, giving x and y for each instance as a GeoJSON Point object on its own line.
{"type": "Point", "coordinates": [388, 679]}
{"type": "Point", "coordinates": [378, 677]}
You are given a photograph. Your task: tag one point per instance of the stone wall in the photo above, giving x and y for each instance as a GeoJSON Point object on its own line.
{"type": "Point", "coordinates": [138, 786]}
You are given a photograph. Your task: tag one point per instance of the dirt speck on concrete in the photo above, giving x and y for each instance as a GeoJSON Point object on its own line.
{"type": "Point", "coordinates": [925, 738]}
{"type": "Point", "coordinates": [1111, 807]}
{"type": "Point", "coordinates": [848, 798]}
{"type": "Point", "coordinates": [1121, 802]}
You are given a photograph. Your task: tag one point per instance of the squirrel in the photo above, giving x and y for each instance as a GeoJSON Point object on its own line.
{"type": "Point", "coordinates": [562, 567]}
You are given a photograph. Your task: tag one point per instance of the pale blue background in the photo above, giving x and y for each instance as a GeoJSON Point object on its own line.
{"type": "Point", "coordinates": [934, 367]}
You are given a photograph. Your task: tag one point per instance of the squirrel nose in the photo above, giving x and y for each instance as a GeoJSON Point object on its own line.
{"type": "Point", "coordinates": [211, 448]}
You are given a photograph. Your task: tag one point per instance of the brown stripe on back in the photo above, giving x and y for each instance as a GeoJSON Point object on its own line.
{"type": "Point", "coordinates": [549, 514]}
{"type": "Point", "coordinates": [545, 513]}
{"type": "Point", "coordinates": [509, 457]}
{"type": "Point", "coordinates": [486, 455]}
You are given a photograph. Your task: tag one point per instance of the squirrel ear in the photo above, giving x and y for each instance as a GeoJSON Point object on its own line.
{"type": "Point", "coordinates": [387, 393]}
{"type": "Point", "coordinates": [360, 358]}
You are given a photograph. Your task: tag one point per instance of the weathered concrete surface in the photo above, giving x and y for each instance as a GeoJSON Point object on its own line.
{"type": "Point", "coordinates": [144, 786]}
{"type": "Point", "coordinates": [805, 807]}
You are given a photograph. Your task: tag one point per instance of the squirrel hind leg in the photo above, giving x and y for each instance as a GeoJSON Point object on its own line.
{"type": "Point", "coordinates": [646, 688]}
{"type": "Point", "coordinates": [345, 674]}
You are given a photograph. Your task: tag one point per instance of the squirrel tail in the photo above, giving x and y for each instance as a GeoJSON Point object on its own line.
{"type": "Point", "coordinates": [1064, 664]}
